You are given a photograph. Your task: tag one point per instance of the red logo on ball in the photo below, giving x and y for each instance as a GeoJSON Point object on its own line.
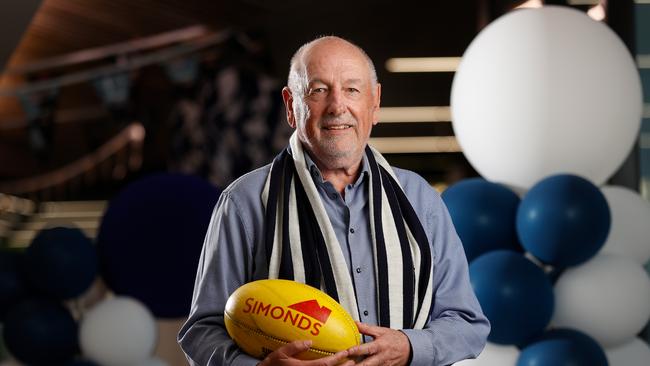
{"type": "Point", "coordinates": [311, 308]}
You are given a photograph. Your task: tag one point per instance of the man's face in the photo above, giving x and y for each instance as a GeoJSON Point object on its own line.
{"type": "Point", "coordinates": [336, 114]}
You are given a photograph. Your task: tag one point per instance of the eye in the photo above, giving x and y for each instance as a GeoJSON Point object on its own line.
{"type": "Point", "coordinates": [318, 90]}
{"type": "Point", "coordinates": [353, 90]}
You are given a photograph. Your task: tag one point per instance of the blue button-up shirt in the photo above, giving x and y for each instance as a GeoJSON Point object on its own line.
{"type": "Point", "coordinates": [234, 254]}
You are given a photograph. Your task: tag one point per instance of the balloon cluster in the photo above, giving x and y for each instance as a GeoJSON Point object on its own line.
{"type": "Point", "coordinates": [60, 264]}
{"type": "Point", "coordinates": [567, 271]}
{"type": "Point", "coordinates": [54, 306]}
{"type": "Point", "coordinates": [559, 272]}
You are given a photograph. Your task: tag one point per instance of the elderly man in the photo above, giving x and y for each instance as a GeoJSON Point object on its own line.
{"type": "Point", "coordinates": [330, 212]}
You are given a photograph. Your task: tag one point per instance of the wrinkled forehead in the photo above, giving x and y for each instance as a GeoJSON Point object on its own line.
{"type": "Point", "coordinates": [335, 59]}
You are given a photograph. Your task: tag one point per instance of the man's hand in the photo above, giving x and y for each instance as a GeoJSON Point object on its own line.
{"type": "Point", "coordinates": [285, 356]}
{"type": "Point", "coordinates": [389, 347]}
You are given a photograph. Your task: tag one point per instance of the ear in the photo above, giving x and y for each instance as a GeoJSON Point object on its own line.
{"type": "Point", "coordinates": [376, 103]}
{"type": "Point", "coordinates": [287, 97]}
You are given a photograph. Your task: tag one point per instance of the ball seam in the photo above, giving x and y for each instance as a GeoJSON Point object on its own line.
{"type": "Point", "coordinates": [279, 340]}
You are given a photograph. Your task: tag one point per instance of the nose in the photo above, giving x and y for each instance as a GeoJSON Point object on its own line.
{"type": "Point", "coordinates": [336, 103]}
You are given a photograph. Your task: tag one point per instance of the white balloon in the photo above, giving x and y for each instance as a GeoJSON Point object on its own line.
{"type": "Point", "coordinates": [629, 234]}
{"type": "Point", "coordinates": [118, 332]}
{"type": "Point", "coordinates": [494, 355]}
{"type": "Point", "coordinates": [546, 91]}
{"type": "Point", "coordinates": [608, 298]}
{"type": "Point", "coordinates": [633, 353]}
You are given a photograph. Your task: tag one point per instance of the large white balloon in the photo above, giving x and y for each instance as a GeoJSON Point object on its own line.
{"type": "Point", "coordinates": [118, 332]}
{"type": "Point", "coordinates": [633, 353]}
{"type": "Point", "coordinates": [545, 91]}
{"type": "Point", "coordinates": [629, 234]}
{"type": "Point", "coordinates": [608, 298]}
{"type": "Point", "coordinates": [494, 355]}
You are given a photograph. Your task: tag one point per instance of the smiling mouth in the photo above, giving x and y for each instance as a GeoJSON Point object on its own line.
{"type": "Point", "coordinates": [337, 127]}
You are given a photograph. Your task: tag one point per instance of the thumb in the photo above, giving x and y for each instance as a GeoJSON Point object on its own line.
{"type": "Point", "coordinates": [294, 348]}
{"type": "Point", "coordinates": [363, 327]}
{"type": "Point", "coordinates": [368, 329]}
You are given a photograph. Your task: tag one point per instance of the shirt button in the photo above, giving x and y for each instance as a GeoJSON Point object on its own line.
{"type": "Point", "coordinates": [358, 269]}
{"type": "Point", "coordinates": [365, 312]}
{"type": "Point", "coordinates": [352, 230]}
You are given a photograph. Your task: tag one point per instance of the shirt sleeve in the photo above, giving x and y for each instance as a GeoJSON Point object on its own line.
{"type": "Point", "coordinates": [225, 264]}
{"type": "Point", "coordinates": [457, 328]}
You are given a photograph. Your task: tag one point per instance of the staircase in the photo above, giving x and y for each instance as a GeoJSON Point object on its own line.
{"type": "Point", "coordinates": [19, 229]}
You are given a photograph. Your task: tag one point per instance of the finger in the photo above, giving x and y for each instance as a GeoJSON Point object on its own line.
{"type": "Point", "coordinates": [366, 349]}
{"type": "Point", "coordinates": [334, 359]}
{"type": "Point", "coordinates": [294, 348]}
{"type": "Point", "coordinates": [348, 363]}
{"type": "Point", "coordinates": [370, 330]}
{"type": "Point", "coordinates": [371, 361]}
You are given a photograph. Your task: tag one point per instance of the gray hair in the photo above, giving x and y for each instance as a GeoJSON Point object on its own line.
{"type": "Point", "coordinates": [297, 80]}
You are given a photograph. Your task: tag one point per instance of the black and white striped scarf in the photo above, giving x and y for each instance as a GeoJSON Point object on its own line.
{"type": "Point", "coordinates": [301, 244]}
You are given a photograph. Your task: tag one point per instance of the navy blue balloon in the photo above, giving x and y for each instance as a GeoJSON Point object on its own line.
{"type": "Point", "coordinates": [563, 220]}
{"type": "Point", "coordinates": [515, 295]}
{"type": "Point", "coordinates": [563, 347]}
{"type": "Point", "coordinates": [151, 237]}
{"type": "Point", "coordinates": [40, 332]}
{"type": "Point", "coordinates": [61, 262]}
{"type": "Point", "coordinates": [13, 287]}
{"type": "Point", "coordinates": [484, 215]}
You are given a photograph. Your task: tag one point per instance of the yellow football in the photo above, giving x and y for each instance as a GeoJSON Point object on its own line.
{"type": "Point", "coordinates": [262, 316]}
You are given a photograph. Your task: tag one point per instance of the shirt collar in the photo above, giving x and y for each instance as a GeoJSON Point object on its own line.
{"type": "Point", "coordinates": [318, 176]}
